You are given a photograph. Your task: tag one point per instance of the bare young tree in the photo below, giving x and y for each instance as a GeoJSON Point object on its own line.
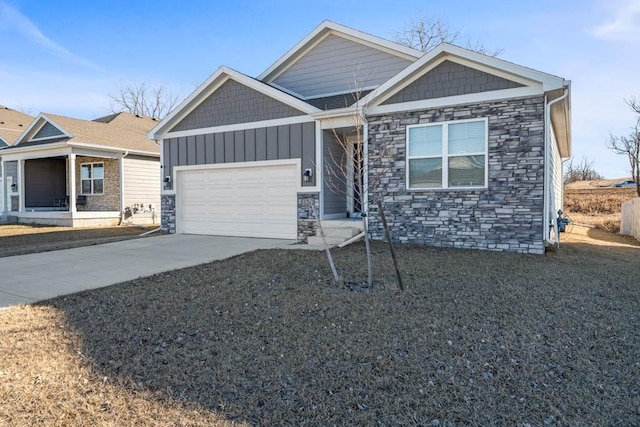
{"type": "Point", "coordinates": [139, 98]}
{"type": "Point", "coordinates": [426, 32]}
{"type": "Point", "coordinates": [582, 171]}
{"type": "Point", "coordinates": [629, 145]}
{"type": "Point", "coordinates": [350, 164]}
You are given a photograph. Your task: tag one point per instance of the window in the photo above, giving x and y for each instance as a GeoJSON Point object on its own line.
{"type": "Point", "coordinates": [447, 155]}
{"type": "Point", "coordinates": [92, 178]}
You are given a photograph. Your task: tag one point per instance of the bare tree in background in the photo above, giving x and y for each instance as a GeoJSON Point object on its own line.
{"type": "Point", "coordinates": [139, 98]}
{"type": "Point", "coordinates": [426, 32]}
{"type": "Point", "coordinates": [582, 171]}
{"type": "Point", "coordinates": [630, 145]}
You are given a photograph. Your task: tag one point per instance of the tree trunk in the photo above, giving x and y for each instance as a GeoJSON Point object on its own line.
{"type": "Point", "coordinates": [388, 237]}
{"type": "Point", "coordinates": [336, 278]}
{"type": "Point", "coordinates": [367, 245]}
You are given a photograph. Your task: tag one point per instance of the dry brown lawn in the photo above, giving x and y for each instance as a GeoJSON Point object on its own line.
{"type": "Point", "coordinates": [478, 338]}
{"type": "Point", "coordinates": [596, 206]}
{"type": "Point", "coordinates": [20, 239]}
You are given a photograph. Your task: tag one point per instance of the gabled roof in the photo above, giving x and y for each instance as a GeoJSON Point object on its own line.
{"type": "Point", "coordinates": [329, 27]}
{"type": "Point", "coordinates": [119, 131]}
{"type": "Point", "coordinates": [543, 83]}
{"type": "Point", "coordinates": [209, 86]}
{"type": "Point", "coordinates": [443, 51]}
{"type": "Point", "coordinates": [12, 125]}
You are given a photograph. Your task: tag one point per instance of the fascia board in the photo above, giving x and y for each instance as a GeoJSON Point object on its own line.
{"type": "Point", "coordinates": [111, 149]}
{"type": "Point", "coordinates": [178, 111]}
{"type": "Point", "coordinates": [524, 75]}
{"type": "Point", "coordinates": [17, 153]}
{"type": "Point", "coordinates": [214, 81]}
{"type": "Point", "coordinates": [37, 124]}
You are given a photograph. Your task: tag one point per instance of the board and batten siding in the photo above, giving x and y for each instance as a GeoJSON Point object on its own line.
{"type": "Point", "coordinates": [141, 181]}
{"type": "Point", "coordinates": [294, 141]}
{"type": "Point", "coordinates": [333, 65]}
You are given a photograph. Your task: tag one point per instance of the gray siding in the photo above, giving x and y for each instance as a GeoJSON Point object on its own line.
{"type": "Point", "coordinates": [234, 103]}
{"type": "Point", "coordinates": [334, 185]}
{"type": "Point", "coordinates": [12, 172]}
{"type": "Point", "coordinates": [450, 79]}
{"type": "Point", "coordinates": [332, 65]}
{"type": "Point", "coordinates": [47, 130]}
{"type": "Point", "coordinates": [295, 141]}
{"type": "Point", "coordinates": [506, 216]}
{"type": "Point", "coordinates": [337, 101]}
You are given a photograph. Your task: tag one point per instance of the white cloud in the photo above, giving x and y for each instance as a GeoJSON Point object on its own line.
{"type": "Point", "coordinates": [11, 18]}
{"type": "Point", "coordinates": [625, 26]}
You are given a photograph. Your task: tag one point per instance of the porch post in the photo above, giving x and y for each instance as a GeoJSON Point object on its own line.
{"type": "Point", "coordinates": [5, 188]}
{"type": "Point", "coordinates": [21, 192]}
{"type": "Point", "coordinates": [72, 182]}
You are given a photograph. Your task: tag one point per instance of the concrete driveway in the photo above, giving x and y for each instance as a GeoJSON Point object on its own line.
{"type": "Point", "coordinates": [34, 277]}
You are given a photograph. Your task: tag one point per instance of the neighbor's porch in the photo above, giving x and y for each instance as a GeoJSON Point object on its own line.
{"type": "Point", "coordinates": [77, 189]}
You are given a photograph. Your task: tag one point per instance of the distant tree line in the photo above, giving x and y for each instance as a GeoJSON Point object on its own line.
{"type": "Point", "coordinates": [580, 171]}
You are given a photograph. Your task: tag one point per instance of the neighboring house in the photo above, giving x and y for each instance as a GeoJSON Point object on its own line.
{"type": "Point", "coordinates": [12, 124]}
{"type": "Point", "coordinates": [466, 149]}
{"type": "Point", "coordinates": [73, 172]}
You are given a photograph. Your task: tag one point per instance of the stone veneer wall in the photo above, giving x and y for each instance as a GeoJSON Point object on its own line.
{"type": "Point", "coordinates": [306, 218]}
{"type": "Point", "coordinates": [307, 223]}
{"type": "Point", "coordinates": [168, 213]}
{"type": "Point", "coordinates": [110, 199]}
{"type": "Point", "coordinates": [507, 216]}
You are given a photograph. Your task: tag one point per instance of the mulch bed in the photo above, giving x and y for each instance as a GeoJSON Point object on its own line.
{"type": "Point", "coordinates": [478, 338]}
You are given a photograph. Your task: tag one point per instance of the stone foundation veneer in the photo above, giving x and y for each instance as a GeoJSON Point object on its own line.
{"type": "Point", "coordinates": [306, 219]}
{"type": "Point", "coordinates": [168, 213]}
{"type": "Point", "coordinates": [507, 216]}
{"type": "Point", "coordinates": [307, 223]}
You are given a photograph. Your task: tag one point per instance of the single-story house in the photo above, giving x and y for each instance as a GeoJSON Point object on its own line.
{"type": "Point", "coordinates": [73, 172]}
{"type": "Point", "coordinates": [12, 124]}
{"type": "Point", "coordinates": [463, 149]}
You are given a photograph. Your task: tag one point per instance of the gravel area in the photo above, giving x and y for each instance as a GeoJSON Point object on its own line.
{"type": "Point", "coordinates": [18, 239]}
{"type": "Point", "coordinates": [478, 338]}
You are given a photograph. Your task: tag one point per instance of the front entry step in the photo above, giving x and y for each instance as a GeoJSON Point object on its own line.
{"type": "Point", "coordinates": [336, 232]}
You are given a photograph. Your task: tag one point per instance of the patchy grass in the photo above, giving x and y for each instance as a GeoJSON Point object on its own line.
{"type": "Point", "coordinates": [20, 239]}
{"type": "Point", "coordinates": [595, 206]}
{"type": "Point", "coordinates": [479, 338]}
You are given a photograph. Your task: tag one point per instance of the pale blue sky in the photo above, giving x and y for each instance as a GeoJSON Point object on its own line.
{"type": "Point", "coordinates": [67, 56]}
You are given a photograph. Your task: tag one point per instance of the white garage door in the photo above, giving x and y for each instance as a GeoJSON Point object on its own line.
{"type": "Point", "coordinates": [249, 201]}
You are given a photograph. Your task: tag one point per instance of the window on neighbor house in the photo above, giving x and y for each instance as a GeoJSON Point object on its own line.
{"type": "Point", "coordinates": [447, 155]}
{"type": "Point", "coordinates": [92, 178]}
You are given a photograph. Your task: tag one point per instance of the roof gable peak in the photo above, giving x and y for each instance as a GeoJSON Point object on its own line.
{"type": "Point", "coordinates": [327, 28]}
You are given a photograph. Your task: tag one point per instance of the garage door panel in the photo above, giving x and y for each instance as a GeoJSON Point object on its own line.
{"type": "Point", "coordinates": [242, 201]}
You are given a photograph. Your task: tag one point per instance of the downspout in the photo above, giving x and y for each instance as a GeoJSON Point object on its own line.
{"type": "Point", "coordinates": [125, 154]}
{"type": "Point", "coordinates": [547, 154]}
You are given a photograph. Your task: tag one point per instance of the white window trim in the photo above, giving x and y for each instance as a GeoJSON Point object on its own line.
{"type": "Point", "coordinates": [82, 193]}
{"type": "Point", "coordinates": [445, 156]}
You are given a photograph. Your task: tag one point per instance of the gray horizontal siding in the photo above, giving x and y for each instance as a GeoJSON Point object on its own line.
{"type": "Point", "coordinates": [295, 141]}
{"type": "Point", "coordinates": [332, 65]}
{"type": "Point", "coordinates": [12, 172]}
{"type": "Point", "coordinates": [337, 101]}
{"type": "Point", "coordinates": [234, 103]}
{"type": "Point", "coordinates": [334, 185]}
{"type": "Point", "coordinates": [450, 79]}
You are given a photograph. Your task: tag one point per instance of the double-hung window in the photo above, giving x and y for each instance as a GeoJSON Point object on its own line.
{"type": "Point", "coordinates": [447, 155]}
{"type": "Point", "coordinates": [92, 178]}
